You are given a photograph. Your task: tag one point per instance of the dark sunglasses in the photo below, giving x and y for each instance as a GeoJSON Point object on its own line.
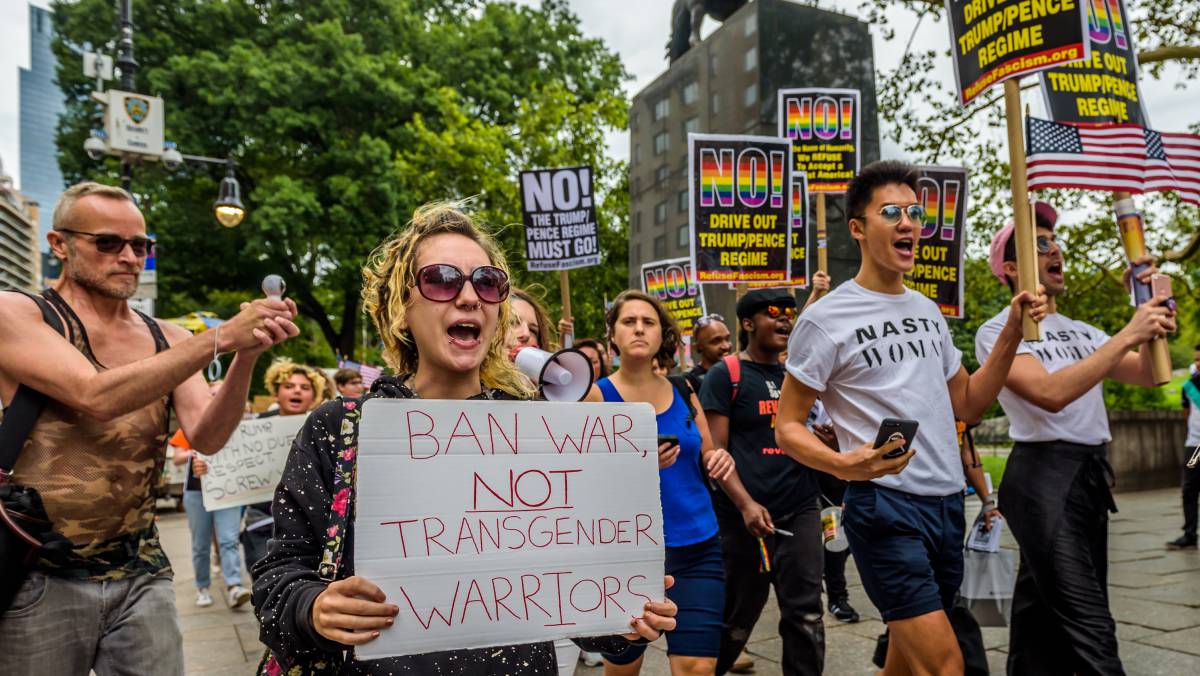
{"type": "Point", "coordinates": [442, 282]}
{"type": "Point", "coordinates": [777, 311]}
{"type": "Point", "coordinates": [891, 214]}
{"type": "Point", "coordinates": [112, 244]}
{"type": "Point", "coordinates": [708, 319]}
{"type": "Point", "coordinates": [1044, 244]}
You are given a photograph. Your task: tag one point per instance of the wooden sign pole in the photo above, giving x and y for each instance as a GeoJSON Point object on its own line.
{"type": "Point", "coordinates": [1134, 240]}
{"type": "Point", "coordinates": [564, 287]}
{"type": "Point", "coordinates": [822, 241]}
{"type": "Point", "coordinates": [1027, 257]}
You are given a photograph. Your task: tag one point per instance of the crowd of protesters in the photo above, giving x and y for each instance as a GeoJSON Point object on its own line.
{"type": "Point", "coordinates": [775, 420]}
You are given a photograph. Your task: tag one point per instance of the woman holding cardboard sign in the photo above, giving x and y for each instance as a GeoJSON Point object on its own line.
{"type": "Point", "coordinates": [443, 334]}
{"type": "Point", "coordinates": [643, 333]}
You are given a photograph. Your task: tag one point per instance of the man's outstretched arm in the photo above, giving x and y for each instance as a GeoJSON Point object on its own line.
{"type": "Point", "coordinates": [36, 356]}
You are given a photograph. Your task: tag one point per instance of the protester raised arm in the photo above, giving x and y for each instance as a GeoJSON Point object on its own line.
{"type": "Point", "coordinates": [35, 355]}
{"type": "Point", "coordinates": [971, 395]}
{"type": "Point", "coordinates": [206, 420]}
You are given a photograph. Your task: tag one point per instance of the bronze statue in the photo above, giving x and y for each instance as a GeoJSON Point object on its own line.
{"type": "Point", "coordinates": [686, 17]}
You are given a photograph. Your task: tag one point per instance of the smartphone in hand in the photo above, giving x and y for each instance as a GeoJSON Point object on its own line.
{"type": "Point", "coordinates": [1160, 287]}
{"type": "Point", "coordinates": [890, 427]}
{"type": "Point", "coordinates": [668, 439]}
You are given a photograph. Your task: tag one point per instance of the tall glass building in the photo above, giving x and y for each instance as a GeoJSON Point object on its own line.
{"type": "Point", "coordinates": [41, 103]}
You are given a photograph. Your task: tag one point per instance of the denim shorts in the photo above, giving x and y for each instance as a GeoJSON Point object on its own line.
{"type": "Point", "coordinates": [908, 548]}
{"type": "Point", "coordinates": [699, 591]}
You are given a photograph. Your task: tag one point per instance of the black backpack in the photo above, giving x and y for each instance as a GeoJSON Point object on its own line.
{"type": "Point", "coordinates": [26, 533]}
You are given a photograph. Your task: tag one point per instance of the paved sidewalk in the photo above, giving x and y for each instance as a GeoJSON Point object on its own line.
{"type": "Point", "coordinates": [217, 640]}
{"type": "Point", "coordinates": [1155, 597]}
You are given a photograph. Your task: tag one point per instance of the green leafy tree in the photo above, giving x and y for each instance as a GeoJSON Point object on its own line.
{"type": "Point", "coordinates": [343, 117]}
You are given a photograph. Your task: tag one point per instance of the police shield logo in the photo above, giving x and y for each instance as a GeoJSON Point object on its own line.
{"type": "Point", "coordinates": [137, 108]}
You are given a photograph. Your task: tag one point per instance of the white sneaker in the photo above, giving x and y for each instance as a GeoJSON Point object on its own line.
{"type": "Point", "coordinates": [238, 596]}
{"type": "Point", "coordinates": [203, 598]}
{"type": "Point", "coordinates": [591, 659]}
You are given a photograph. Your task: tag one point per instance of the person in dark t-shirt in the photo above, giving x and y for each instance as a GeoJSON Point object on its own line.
{"type": "Point", "coordinates": [787, 519]}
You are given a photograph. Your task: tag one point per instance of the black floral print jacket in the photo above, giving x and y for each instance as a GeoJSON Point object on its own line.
{"type": "Point", "coordinates": [286, 582]}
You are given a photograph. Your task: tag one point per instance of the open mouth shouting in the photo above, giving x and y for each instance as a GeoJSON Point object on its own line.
{"type": "Point", "coordinates": [904, 247]}
{"type": "Point", "coordinates": [1055, 271]}
{"type": "Point", "coordinates": [464, 334]}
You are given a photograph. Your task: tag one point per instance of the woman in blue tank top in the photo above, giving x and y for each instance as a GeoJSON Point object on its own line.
{"type": "Point", "coordinates": [640, 331]}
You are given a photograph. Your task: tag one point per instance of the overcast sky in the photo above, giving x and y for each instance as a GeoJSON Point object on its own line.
{"type": "Point", "coordinates": [635, 29]}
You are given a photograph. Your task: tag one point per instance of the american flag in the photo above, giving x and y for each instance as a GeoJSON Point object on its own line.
{"type": "Point", "coordinates": [1113, 157]}
{"type": "Point", "coordinates": [369, 373]}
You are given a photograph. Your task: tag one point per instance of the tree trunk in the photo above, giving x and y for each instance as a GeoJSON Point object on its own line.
{"type": "Point", "coordinates": [346, 339]}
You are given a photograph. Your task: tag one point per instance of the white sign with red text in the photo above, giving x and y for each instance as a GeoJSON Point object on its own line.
{"type": "Point", "coordinates": [496, 523]}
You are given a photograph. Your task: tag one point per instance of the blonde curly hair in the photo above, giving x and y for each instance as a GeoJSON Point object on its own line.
{"type": "Point", "coordinates": [282, 369]}
{"type": "Point", "coordinates": [390, 277]}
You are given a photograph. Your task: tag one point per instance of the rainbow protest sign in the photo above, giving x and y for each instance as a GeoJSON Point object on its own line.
{"type": "Point", "coordinates": [799, 255]}
{"type": "Point", "coordinates": [1104, 88]}
{"type": "Point", "coordinates": [740, 208]}
{"type": "Point", "coordinates": [824, 127]}
{"type": "Point", "coordinates": [671, 282]}
{"type": "Point", "coordinates": [994, 40]}
{"type": "Point", "coordinates": [938, 272]}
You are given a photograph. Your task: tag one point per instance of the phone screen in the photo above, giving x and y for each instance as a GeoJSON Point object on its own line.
{"type": "Point", "coordinates": [1161, 284]}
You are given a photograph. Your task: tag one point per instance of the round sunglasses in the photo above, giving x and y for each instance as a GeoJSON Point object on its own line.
{"type": "Point", "coordinates": [113, 244]}
{"type": "Point", "coordinates": [1044, 244]}
{"type": "Point", "coordinates": [442, 282]}
{"type": "Point", "coordinates": [777, 311]}
{"type": "Point", "coordinates": [891, 214]}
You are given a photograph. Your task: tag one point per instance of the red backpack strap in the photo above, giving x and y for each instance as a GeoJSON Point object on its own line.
{"type": "Point", "coordinates": [735, 374]}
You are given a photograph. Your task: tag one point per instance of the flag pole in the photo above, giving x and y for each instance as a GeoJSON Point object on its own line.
{"type": "Point", "coordinates": [564, 287]}
{"type": "Point", "coordinates": [1134, 240]}
{"type": "Point", "coordinates": [822, 236]}
{"type": "Point", "coordinates": [1027, 271]}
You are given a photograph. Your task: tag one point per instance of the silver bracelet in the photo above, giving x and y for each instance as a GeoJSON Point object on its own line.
{"type": "Point", "coordinates": [989, 501]}
{"type": "Point", "coordinates": [214, 367]}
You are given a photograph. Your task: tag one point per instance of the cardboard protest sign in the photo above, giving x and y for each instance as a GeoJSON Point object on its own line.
{"type": "Point", "coordinates": [740, 208]}
{"type": "Point", "coordinates": [994, 40]}
{"type": "Point", "coordinates": [938, 271]}
{"type": "Point", "coordinates": [824, 126]}
{"type": "Point", "coordinates": [671, 282]}
{"type": "Point", "coordinates": [561, 230]}
{"type": "Point", "coordinates": [494, 523]}
{"type": "Point", "coordinates": [1104, 88]}
{"type": "Point", "coordinates": [249, 466]}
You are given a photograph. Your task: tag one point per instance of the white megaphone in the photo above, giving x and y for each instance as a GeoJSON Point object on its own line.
{"type": "Point", "coordinates": [565, 375]}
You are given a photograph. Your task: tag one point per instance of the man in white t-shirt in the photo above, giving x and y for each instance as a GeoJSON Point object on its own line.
{"type": "Point", "coordinates": [1056, 494]}
{"type": "Point", "coordinates": [873, 349]}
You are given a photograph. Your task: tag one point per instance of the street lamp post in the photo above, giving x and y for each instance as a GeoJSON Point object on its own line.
{"type": "Point", "coordinates": [228, 209]}
{"type": "Point", "coordinates": [128, 65]}
{"type": "Point", "coordinates": [146, 117]}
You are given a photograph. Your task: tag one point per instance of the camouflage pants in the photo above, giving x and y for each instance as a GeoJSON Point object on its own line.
{"type": "Point", "coordinates": [58, 626]}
